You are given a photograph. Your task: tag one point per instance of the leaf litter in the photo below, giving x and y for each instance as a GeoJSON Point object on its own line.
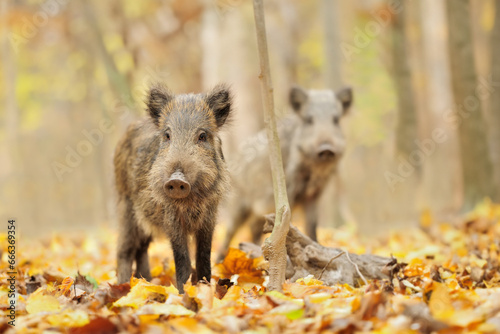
{"type": "Point", "coordinates": [444, 278]}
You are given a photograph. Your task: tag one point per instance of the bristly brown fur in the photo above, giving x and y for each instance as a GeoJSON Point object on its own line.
{"type": "Point", "coordinates": [149, 153]}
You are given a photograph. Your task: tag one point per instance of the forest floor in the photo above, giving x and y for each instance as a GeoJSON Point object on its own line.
{"type": "Point", "coordinates": [448, 282]}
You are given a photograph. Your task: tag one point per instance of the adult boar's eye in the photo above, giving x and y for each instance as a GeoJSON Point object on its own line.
{"type": "Point", "coordinates": [202, 137]}
{"type": "Point", "coordinates": [167, 136]}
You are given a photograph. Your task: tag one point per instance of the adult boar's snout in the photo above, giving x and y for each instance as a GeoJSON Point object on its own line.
{"type": "Point", "coordinates": [177, 186]}
{"type": "Point", "coordinates": [326, 152]}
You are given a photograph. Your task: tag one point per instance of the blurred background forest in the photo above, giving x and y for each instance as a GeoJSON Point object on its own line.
{"type": "Point", "coordinates": [423, 134]}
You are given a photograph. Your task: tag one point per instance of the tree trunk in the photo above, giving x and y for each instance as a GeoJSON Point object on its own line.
{"type": "Point", "coordinates": [477, 169]}
{"type": "Point", "coordinates": [406, 128]}
{"type": "Point", "coordinates": [275, 246]}
{"type": "Point", "coordinates": [495, 99]}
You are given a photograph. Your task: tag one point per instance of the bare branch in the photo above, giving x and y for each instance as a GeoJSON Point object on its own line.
{"type": "Point", "coordinates": [275, 246]}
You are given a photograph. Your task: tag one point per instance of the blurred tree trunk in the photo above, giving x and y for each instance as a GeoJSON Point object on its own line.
{"type": "Point", "coordinates": [289, 36]}
{"type": "Point", "coordinates": [406, 128]}
{"type": "Point", "coordinates": [13, 165]}
{"type": "Point", "coordinates": [238, 68]}
{"type": "Point", "coordinates": [495, 99]}
{"type": "Point", "coordinates": [441, 184]}
{"type": "Point", "coordinates": [123, 24]}
{"type": "Point", "coordinates": [477, 169]}
{"type": "Point", "coordinates": [333, 58]}
{"type": "Point", "coordinates": [209, 42]}
{"type": "Point", "coordinates": [284, 22]}
{"type": "Point", "coordinates": [118, 81]}
{"type": "Point", "coordinates": [403, 197]}
{"type": "Point", "coordinates": [332, 206]}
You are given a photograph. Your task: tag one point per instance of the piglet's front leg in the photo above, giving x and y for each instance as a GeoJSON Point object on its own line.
{"type": "Point", "coordinates": [203, 251]}
{"type": "Point", "coordinates": [181, 259]}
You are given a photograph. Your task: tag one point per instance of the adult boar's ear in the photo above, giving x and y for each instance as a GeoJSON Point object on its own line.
{"type": "Point", "coordinates": [220, 100]}
{"type": "Point", "coordinates": [298, 96]}
{"type": "Point", "coordinates": [158, 97]}
{"type": "Point", "coordinates": [345, 97]}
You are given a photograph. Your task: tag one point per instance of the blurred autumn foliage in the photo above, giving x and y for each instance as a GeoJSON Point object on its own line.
{"type": "Point", "coordinates": [73, 76]}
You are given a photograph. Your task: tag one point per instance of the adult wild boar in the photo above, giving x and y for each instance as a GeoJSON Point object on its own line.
{"type": "Point", "coordinates": [312, 143]}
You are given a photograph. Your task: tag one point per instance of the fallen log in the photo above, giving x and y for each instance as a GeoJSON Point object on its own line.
{"type": "Point", "coordinates": [330, 265]}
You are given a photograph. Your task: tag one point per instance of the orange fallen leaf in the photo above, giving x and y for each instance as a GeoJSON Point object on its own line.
{"type": "Point", "coordinates": [238, 263]}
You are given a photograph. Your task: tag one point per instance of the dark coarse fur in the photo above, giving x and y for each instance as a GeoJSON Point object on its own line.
{"type": "Point", "coordinates": [179, 136]}
{"type": "Point", "coordinates": [312, 143]}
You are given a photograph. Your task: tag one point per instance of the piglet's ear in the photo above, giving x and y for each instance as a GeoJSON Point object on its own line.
{"type": "Point", "coordinates": [345, 97]}
{"type": "Point", "coordinates": [158, 97]}
{"type": "Point", "coordinates": [220, 100]}
{"type": "Point", "coordinates": [298, 97]}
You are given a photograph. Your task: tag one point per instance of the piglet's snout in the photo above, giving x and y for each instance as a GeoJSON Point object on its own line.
{"type": "Point", "coordinates": [177, 186]}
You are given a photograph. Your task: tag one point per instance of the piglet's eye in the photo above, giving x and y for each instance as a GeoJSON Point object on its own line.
{"type": "Point", "coordinates": [336, 120]}
{"type": "Point", "coordinates": [202, 137]}
{"type": "Point", "coordinates": [308, 120]}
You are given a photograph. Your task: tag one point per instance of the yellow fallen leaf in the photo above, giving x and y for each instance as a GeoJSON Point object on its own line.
{"type": "Point", "coordinates": [440, 303]}
{"type": "Point", "coordinates": [339, 307]}
{"type": "Point", "coordinates": [319, 297]}
{"type": "Point", "coordinates": [279, 298]}
{"type": "Point", "coordinates": [309, 280]}
{"type": "Point", "coordinates": [159, 308]}
{"type": "Point", "coordinates": [487, 328]}
{"type": "Point", "coordinates": [148, 318]}
{"type": "Point", "coordinates": [157, 270]}
{"type": "Point", "coordinates": [291, 310]}
{"type": "Point", "coordinates": [188, 325]}
{"type": "Point", "coordinates": [69, 318]}
{"type": "Point", "coordinates": [464, 318]}
{"type": "Point", "coordinates": [233, 293]}
{"type": "Point", "coordinates": [190, 290]}
{"type": "Point", "coordinates": [38, 302]}
{"type": "Point", "coordinates": [142, 292]}
{"type": "Point", "coordinates": [300, 290]}
{"type": "Point", "coordinates": [481, 263]}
